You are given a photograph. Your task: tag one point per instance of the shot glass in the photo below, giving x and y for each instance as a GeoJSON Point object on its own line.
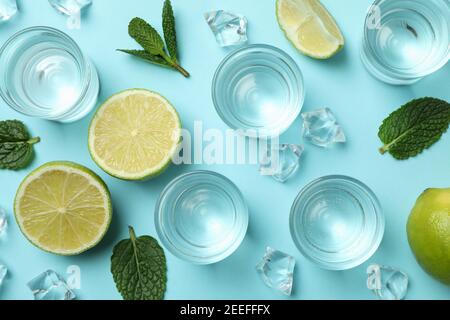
{"type": "Point", "coordinates": [258, 90]}
{"type": "Point", "coordinates": [336, 222]}
{"type": "Point", "coordinates": [46, 75]}
{"type": "Point", "coordinates": [406, 40]}
{"type": "Point", "coordinates": [201, 217]}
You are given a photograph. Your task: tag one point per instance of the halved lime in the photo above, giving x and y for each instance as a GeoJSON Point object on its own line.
{"type": "Point", "coordinates": [63, 208]}
{"type": "Point", "coordinates": [134, 134]}
{"type": "Point", "coordinates": [310, 27]}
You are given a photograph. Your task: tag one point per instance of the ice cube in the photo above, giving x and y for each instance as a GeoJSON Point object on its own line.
{"type": "Point", "coordinates": [228, 28]}
{"type": "Point", "coordinates": [72, 9]}
{"type": "Point", "coordinates": [281, 161]}
{"type": "Point", "coordinates": [277, 270]}
{"type": "Point", "coordinates": [386, 282]}
{"type": "Point", "coordinates": [321, 128]}
{"type": "Point", "coordinates": [3, 272]}
{"type": "Point", "coordinates": [3, 221]}
{"type": "Point", "coordinates": [69, 7]}
{"type": "Point", "coordinates": [50, 286]}
{"type": "Point", "coordinates": [8, 8]}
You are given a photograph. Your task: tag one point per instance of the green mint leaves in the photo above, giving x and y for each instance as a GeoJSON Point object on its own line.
{"type": "Point", "coordinates": [138, 266]}
{"type": "Point", "coordinates": [170, 34]}
{"type": "Point", "coordinates": [152, 43]}
{"type": "Point", "coordinates": [146, 36]}
{"type": "Point", "coordinates": [16, 145]}
{"type": "Point", "coordinates": [414, 127]}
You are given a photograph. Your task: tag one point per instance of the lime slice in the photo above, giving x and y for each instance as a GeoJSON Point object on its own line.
{"type": "Point", "coordinates": [310, 27]}
{"type": "Point", "coordinates": [134, 134]}
{"type": "Point", "coordinates": [63, 208]}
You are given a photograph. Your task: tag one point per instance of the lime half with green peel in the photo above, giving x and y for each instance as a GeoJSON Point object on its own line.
{"type": "Point", "coordinates": [134, 134]}
{"type": "Point", "coordinates": [429, 233]}
{"type": "Point", "coordinates": [310, 27]}
{"type": "Point", "coordinates": [63, 208]}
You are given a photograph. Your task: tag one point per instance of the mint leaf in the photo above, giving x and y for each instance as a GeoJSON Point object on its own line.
{"type": "Point", "coordinates": [414, 127]}
{"type": "Point", "coordinates": [16, 145]}
{"type": "Point", "coordinates": [146, 36]}
{"type": "Point", "coordinates": [148, 57]}
{"type": "Point", "coordinates": [13, 130]}
{"type": "Point", "coordinates": [170, 33]}
{"type": "Point", "coordinates": [138, 266]}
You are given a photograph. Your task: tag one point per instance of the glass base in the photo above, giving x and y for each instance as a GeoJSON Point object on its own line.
{"type": "Point", "coordinates": [201, 217]}
{"type": "Point", "coordinates": [259, 90]}
{"type": "Point", "coordinates": [336, 222]}
{"type": "Point", "coordinates": [46, 75]}
{"type": "Point", "coordinates": [406, 40]}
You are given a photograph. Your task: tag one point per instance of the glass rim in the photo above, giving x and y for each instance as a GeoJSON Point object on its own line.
{"type": "Point", "coordinates": [261, 132]}
{"type": "Point", "coordinates": [400, 75]}
{"type": "Point", "coordinates": [192, 258]}
{"type": "Point", "coordinates": [79, 57]}
{"type": "Point", "coordinates": [351, 262]}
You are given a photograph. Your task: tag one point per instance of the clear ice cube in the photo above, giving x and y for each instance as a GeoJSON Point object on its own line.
{"type": "Point", "coordinates": [69, 7]}
{"type": "Point", "coordinates": [281, 161]}
{"type": "Point", "coordinates": [228, 28]}
{"type": "Point", "coordinates": [321, 128]}
{"type": "Point", "coordinates": [277, 270]}
{"type": "Point", "coordinates": [3, 221]}
{"type": "Point", "coordinates": [3, 272]}
{"type": "Point", "coordinates": [8, 9]}
{"type": "Point", "coordinates": [386, 282]}
{"type": "Point", "coordinates": [72, 9]}
{"type": "Point", "coordinates": [50, 286]}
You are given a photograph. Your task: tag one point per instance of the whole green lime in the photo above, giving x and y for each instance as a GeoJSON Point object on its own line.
{"type": "Point", "coordinates": [428, 231]}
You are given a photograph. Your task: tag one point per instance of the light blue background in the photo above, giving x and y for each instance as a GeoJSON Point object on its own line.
{"type": "Point", "coordinates": [359, 101]}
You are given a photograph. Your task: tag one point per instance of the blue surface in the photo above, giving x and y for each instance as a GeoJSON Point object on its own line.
{"type": "Point", "coordinates": [359, 101]}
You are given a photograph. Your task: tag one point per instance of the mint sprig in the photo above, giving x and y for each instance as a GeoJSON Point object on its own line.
{"type": "Point", "coordinates": [152, 43]}
{"type": "Point", "coordinates": [414, 127]}
{"type": "Point", "coordinates": [16, 145]}
{"type": "Point", "coordinates": [138, 266]}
